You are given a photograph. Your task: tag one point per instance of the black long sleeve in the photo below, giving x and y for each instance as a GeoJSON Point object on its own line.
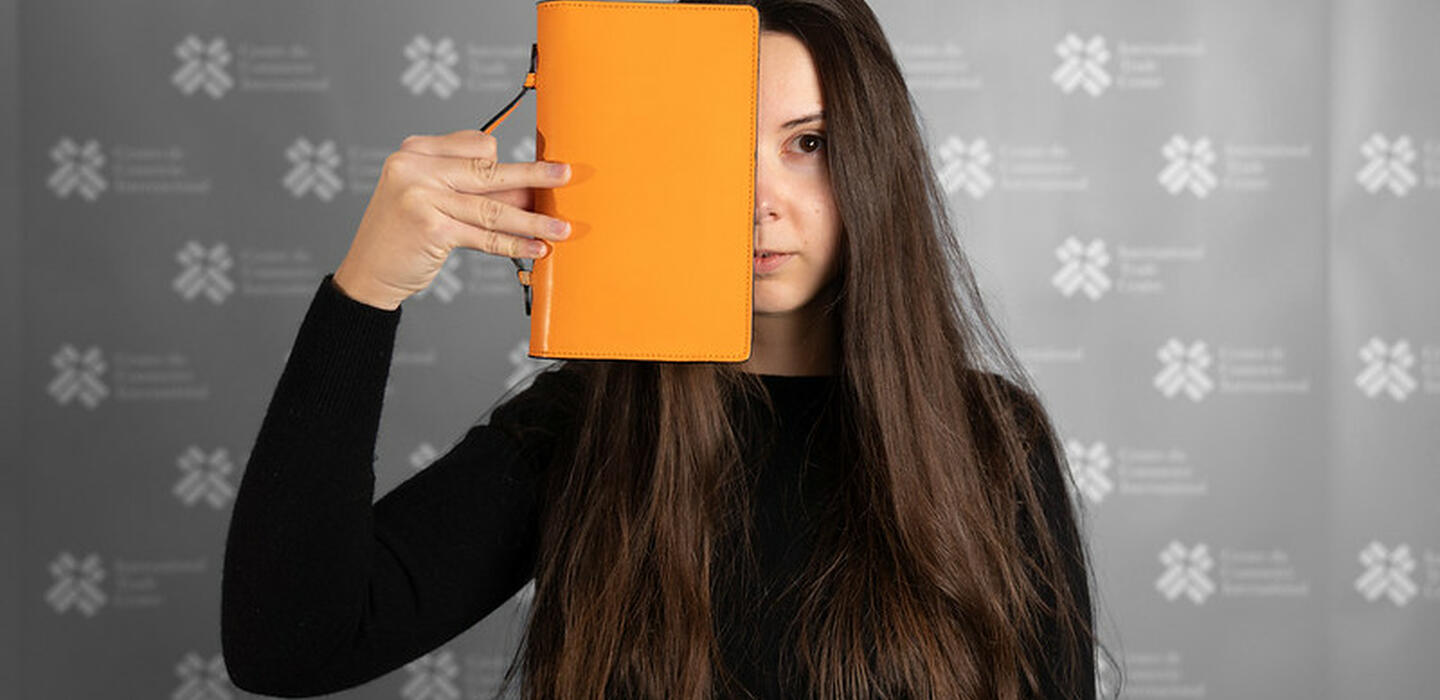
{"type": "Point", "coordinates": [321, 591]}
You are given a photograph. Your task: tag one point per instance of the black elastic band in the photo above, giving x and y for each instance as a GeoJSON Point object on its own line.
{"type": "Point", "coordinates": [534, 60]}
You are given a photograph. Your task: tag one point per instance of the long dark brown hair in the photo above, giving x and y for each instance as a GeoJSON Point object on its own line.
{"type": "Point", "coordinates": [941, 573]}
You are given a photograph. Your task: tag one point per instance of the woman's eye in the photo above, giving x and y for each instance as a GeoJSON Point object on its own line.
{"type": "Point", "coordinates": [815, 139]}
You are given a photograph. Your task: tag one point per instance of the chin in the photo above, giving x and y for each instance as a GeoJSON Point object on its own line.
{"type": "Point", "coordinates": [771, 302]}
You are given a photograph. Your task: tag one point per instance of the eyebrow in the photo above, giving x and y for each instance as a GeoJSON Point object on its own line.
{"type": "Point", "coordinates": [802, 120]}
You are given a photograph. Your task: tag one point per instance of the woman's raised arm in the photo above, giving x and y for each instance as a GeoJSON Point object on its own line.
{"type": "Point", "coordinates": [321, 591]}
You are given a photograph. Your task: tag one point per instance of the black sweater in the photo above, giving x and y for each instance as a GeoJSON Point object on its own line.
{"type": "Point", "coordinates": [323, 591]}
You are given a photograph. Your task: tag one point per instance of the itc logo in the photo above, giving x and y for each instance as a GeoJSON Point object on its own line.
{"type": "Point", "coordinates": [432, 66]}
{"type": "Point", "coordinates": [202, 678]}
{"type": "Point", "coordinates": [1388, 165]}
{"type": "Point", "coordinates": [78, 376]}
{"type": "Point", "coordinates": [202, 67]}
{"type": "Point", "coordinates": [205, 476]}
{"type": "Point", "coordinates": [965, 166]}
{"type": "Point", "coordinates": [1082, 268]}
{"type": "Point", "coordinates": [1187, 572]}
{"type": "Point", "coordinates": [314, 169]}
{"type": "Point", "coordinates": [1185, 369]}
{"type": "Point", "coordinates": [77, 584]}
{"type": "Point", "coordinates": [1387, 369]}
{"type": "Point", "coordinates": [77, 169]}
{"type": "Point", "coordinates": [1082, 65]}
{"type": "Point", "coordinates": [204, 272]}
{"type": "Point", "coordinates": [433, 676]}
{"type": "Point", "coordinates": [1387, 574]}
{"type": "Point", "coordinates": [1189, 166]}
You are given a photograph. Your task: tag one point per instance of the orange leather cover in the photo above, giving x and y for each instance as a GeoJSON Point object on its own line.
{"type": "Point", "coordinates": [654, 106]}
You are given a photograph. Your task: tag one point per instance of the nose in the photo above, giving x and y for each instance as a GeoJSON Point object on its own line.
{"type": "Point", "coordinates": [764, 191]}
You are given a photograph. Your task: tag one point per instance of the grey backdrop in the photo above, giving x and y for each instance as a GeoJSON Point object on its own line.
{"type": "Point", "coordinates": [1208, 226]}
{"type": "Point", "coordinates": [11, 496]}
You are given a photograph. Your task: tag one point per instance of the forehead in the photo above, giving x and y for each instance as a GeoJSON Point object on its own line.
{"type": "Point", "coordinates": [789, 86]}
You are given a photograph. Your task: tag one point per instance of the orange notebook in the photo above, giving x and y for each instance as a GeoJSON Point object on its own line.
{"type": "Point", "coordinates": [654, 107]}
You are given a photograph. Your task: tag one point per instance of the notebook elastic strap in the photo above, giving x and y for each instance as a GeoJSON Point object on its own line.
{"type": "Point", "coordinates": [529, 85]}
{"type": "Point", "coordinates": [520, 272]}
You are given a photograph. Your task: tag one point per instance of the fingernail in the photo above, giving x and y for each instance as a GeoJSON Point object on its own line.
{"type": "Point", "coordinates": [558, 169]}
{"type": "Point", "coordinates": [559, 227]}
{"type": "Point", "coordinates": [537, 249]}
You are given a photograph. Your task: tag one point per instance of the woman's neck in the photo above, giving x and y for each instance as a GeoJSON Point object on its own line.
{"type": "Point", "coordinates": [800, 342]}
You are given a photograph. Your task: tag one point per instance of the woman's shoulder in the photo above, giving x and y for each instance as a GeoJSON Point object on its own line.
{"type": "Point", "coordinates": [544, 406]}
{"type": "Point", "coordinates": [1021, 400]}
{"type": "Point", "coordinates": [1032, 419]}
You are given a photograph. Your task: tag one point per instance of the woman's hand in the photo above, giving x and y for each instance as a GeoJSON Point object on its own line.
{"type": "Point", "coordinates": [438, 193]}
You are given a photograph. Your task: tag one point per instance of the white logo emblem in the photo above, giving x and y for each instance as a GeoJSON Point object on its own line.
{"type": "Point", "coordinates": [1387, 165]}
{"type": "Point", "coordinates": [205, 476]}
{"type": "Point", "coordinates": [202, 67]}
{"type": "Point", "coordinates": [78, 376]}
{"type": "Point", "coordinates": [965, 167]}
{"type": "Point", "coordinates": [432, 677]}
{"type": "Point", "coordinates": [1184, 369]}
{"type": "Point", "coordinates": [1387, 369]}
{"type": "Point", "coordinates": [1189, 166]}
{"type": "Point", "coordinates": [1090, 465]}
{"type": "Point", "coordinates": [1387, 573]}
{"type": "Point", "coordinates": [77, 169]}
{"type": "Point", "coordinates": [1082, 268]}
{"type": "Point", "coordinates": [202, 679]}
{"type": "Point", "coordinates": [77, 584]}
{"type": "Point", "coordinates": [1082, 65]}
{"type": "Point", "coordinates": [204, 272]}
{"type": "Point", "coordinates": [432, 66]}
{"type": "Point", "coordinates": [314, 169]}
{"type": "Point", "coordinates": [1186, 572]}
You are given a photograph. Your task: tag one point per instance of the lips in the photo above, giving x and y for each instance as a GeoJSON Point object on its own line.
{"type": "Point", "coordinates": [767, 262]}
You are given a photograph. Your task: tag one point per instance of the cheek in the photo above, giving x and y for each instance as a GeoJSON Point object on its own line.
{"type": "Point", "coordinates": [824, 225]}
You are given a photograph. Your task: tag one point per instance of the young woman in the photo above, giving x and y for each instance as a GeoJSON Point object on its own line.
{"type": "Point", "coordinates": [860, 510]}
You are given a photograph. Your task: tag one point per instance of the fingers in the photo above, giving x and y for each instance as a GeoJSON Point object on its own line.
{"type": "Point", "coordinates": [466, 143]}
{"type": "Point", "coordinates": [486, 203]}
{"type": "Point", "coordinates": [494, 242]}
{"type": "Point", "coordinates": [477, 174]}
{"type": "Point", "coordinates": [487, 214]}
